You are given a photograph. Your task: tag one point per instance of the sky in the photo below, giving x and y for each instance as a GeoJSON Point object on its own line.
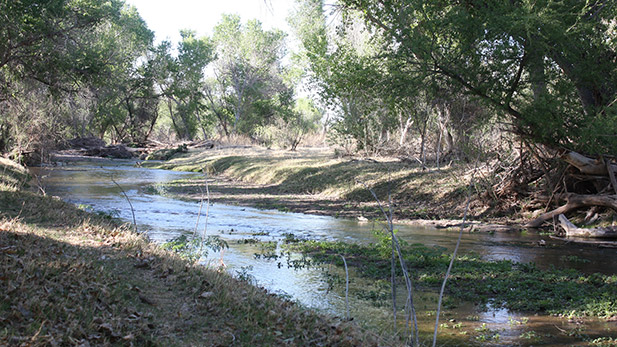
{"type": "Point", "coordinates": [167, 17]}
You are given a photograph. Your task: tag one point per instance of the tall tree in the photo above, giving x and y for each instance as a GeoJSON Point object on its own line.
{"type": "Point", "coordinates": [248, 83]}
{"type": "Point", "coordinates": [70, 54]}
{"type": "Point", "coordinates": [125, 101]}
{"type": "Point", "coordinates": [183, 79]}
{"type": "Point", "coordinates": [347, 76]}
{"type": "Point", "coordinates": [40, 39]}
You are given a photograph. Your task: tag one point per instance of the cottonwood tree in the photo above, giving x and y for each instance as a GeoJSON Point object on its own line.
{"type": "Point", "coordinates": [41, 39]}
{"type": "Point", "coordinates": [248, 89]}
{"type": "Point", "coordinates": [55, 57]}
{"type": "Point", "coordinates": [345, 75]}
{"type": "Point", "coordinates": [125, 102]}
{"type": "Point", "coordinates": [379, 98]}
{"type": "Point", "coordinates": [182, 79]}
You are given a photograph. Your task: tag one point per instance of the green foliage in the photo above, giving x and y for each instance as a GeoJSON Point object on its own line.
{"type": "Point", "coordinates": [194, 248]}
{"type": "Point", "coordinates": [249, 91]}
{"type": "Point", "coordinates": [182, 79]}
{"type": "Point", "coordinates": [384, 242]}
{"type": "Point", "coordinates": [548, 65]}
{"type": "Point", "coordinates": [349, 80]}
{"type": "Point", "coordinates": [69, 68]}
{"type": "Point", "coordinates": [289, 130]}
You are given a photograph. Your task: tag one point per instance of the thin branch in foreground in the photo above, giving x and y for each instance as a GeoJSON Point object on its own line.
{"type": "Point", "coordinates": [127, 199]}
{"type": "Point", "coordinates": [203, 236]}
{"type": "Point", "coordinates": [411, 317]}
{"type": "Point", "coordinates": [458, 243]}
{"type": "Point", "coordinates": [346, 289]}
{"type": "Point", "coordinates": [201, 204]}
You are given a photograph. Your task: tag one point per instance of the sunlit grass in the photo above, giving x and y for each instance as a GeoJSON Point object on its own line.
{"type": "Point", "coordinates": [418, 193]}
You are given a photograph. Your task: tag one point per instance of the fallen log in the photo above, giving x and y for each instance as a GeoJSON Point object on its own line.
{"type": "Point", "coordinates": [595, 233]}
{"type": "Point", "coordinates": [114, 151]}
{"type": "Point", "coordinates": [575, 201]}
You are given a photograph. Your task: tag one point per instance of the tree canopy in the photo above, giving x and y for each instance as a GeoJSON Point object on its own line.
{"type": "Point", "coordinates": [549, 65]}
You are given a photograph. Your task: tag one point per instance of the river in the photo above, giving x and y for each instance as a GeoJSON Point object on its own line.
{"type": "Point", "coordinates": [89, 184]}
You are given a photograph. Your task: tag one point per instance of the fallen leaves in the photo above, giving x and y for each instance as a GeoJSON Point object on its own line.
{"type": "Point", "coordinates": [146, 300]}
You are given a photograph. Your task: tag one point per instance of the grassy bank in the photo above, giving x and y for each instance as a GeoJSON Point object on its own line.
{"type": "Point", "coordinates": [68, 277]}
{"type": "Point", "coordinates": [316, 181]}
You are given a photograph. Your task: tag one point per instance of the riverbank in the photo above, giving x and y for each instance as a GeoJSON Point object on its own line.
{"type": "Point", "coordinates": [69, 277]}
{"type": "Point", "coordinates": [315, 181]}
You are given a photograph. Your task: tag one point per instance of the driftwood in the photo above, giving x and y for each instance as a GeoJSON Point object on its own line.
{"type": "Point", "coordinates": [575, 201]}
{"type": "Point", "coordinates": [596, 233]}
{"type": "Point", "coordinates": [207, 144]}
{"type": "Point", "coordinates": [596, 171]}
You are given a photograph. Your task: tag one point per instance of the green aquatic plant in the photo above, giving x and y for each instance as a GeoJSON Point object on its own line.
{"type": "Point", "coordinates": [193, 249]}
{"type": "Point", "coordinates": [530, 336]}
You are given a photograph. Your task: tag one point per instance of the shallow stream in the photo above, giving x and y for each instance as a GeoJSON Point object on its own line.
{"type": "Point", "coordinates": [89, 184]}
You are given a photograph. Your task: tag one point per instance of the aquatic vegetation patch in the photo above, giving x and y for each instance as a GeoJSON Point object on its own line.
{"type": "Point", "coordinates": [515, 286]}
{"type": "Point", "coordinates": [194, 248]}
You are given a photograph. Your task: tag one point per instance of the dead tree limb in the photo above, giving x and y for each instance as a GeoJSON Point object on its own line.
{"type": "Point", "coordinates": [588, 165]}
{"type": "Point", "coordinates": [575, 201]}
{"type": "Point", "coordinates": [611, 175]}
{"type": "Point", "coordinates": [597, 233]}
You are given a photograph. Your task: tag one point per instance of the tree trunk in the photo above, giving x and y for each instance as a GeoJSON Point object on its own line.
{"type": "Point", "coordinates": [423, 142]}
{"type": "Point", "coordinates": [438, 150]}
{"type": "Point", "coordinates": [404, 129]}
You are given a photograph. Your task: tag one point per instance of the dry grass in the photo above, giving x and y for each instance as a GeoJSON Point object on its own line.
{"type": "Point", "coordinates": [71, 278]}
{"type": "Point", "coordinates": [12, 175]}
